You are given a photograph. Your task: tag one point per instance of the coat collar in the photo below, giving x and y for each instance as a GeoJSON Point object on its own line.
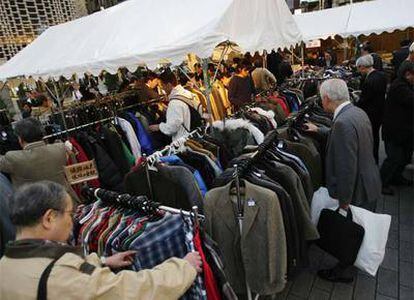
{"type": "Point", "coordinates": [228, 211]}
{"type": "Point", "coordinates": [34, 145]}
{"type": "Point", "coordinates": [31, 248]}
{"type": "Point", "coordinates": [344, 109]}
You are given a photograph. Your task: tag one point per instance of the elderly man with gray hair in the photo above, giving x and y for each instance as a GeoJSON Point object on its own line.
{"type": "Point", "coordinates": [372, 101]}
{"type": "Point", "coordinates": [352, 177]}
{"type": "Point", "coordinates": [41, 265]}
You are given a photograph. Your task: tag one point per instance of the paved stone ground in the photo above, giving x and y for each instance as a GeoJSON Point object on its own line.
{"type": "Point", "coordinates": [395, 277]}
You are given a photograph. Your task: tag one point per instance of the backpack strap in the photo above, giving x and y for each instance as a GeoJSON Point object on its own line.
{"type": "Point", "coordinates": [186, 101]}
{"type": "Point", "coordinates": [85, 268]}
{"type": "Point", "coordinates": [42, 287]}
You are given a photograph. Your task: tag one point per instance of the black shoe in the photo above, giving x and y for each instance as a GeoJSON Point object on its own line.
{"type": "Point", "coordinates": [335, 275]}
{"type": "Point", "coordinates": [386, 190]}
{"type": "Point", "coordinates": [402, 182]}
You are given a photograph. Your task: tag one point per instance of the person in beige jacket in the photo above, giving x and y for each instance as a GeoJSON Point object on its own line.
{"type": "Point", "coordinates": [263, 79]}
{"type": "Point", "coordinates": [37, 160]}
{"type": "Point", "coordinates": [40, 265]}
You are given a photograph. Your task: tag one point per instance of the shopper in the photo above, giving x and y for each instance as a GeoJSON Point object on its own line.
{"type": "Point", "coordinates": [400, 55]}
{"type": "Point", "coordinates": [409, 59]}
{"type": "Point", "coordinates": [26, 110]}
{"type": "Point", "coordinates": [367, 49]}
{"type": "Point", "coordinates": [351, 174]}
{"type": "Point", "coordinates": [147, 87]}
{"type": "Point", "coordinates": [241, 87]}
{"type": "Point", "coordinates": [7, 230]}
{"type": "Point", "coordinates": [398, 129]}
{"type": "Point", "coordinates": [45, 109]}
{"type": "Point", "coordinates": [184, 111]}
{"type": "Point", "coordinates": [372, 100]}
{"type": "Point", "coordinates": [328, 61]}
{"type": "Point", "coordinates": [263, 79]}
{"type": "Point", "coordinates": [285, 69]}
{"type": "Point", "coordinates": [42, 213]}
{"type": "Point", "coordinates": [199, 74]}
{"type": "Point", "coordinates": [38, 160]}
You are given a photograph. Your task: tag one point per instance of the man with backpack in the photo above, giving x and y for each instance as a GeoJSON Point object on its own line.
{"type": "Point", "coordinates": [184, 112]}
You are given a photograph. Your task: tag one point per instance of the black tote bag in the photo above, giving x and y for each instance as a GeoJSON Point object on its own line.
{"type": "Point", "coordinates": [339, 235]}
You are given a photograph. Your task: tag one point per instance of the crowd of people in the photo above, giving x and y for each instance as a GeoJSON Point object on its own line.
{"type": "Point", "coordinates": [42, 203]}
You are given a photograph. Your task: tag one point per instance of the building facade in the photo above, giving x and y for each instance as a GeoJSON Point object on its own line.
{"type": "Point", "coordinates": [96, 5]}
{"type": "Point", "coordinates": [23, 20]}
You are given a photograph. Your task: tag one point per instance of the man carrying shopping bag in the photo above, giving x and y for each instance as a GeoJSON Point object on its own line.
{"type": "Point", "coordinates": [352, 175]}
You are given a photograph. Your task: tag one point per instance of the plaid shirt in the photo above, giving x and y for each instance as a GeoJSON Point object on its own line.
{"type": "Point", "coordinates": [160, 240]}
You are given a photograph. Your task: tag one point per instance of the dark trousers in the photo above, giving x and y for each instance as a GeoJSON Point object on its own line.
{"type": "Point", "coordinates": [398, 156]}
{"type": "Point", "coordinates": [376, 135]}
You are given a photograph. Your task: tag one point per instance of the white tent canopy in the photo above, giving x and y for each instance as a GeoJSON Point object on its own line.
{"type": "Point", "coordinates": [146, 31]}
{"type": "Point", "coordinates": [363, 18]}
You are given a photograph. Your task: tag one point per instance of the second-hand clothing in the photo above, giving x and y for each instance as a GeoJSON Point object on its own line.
{"type": "Point", "coordinates": [263, 79]}
{"type": "Point", "coordinates": [241, 90]}
{"type": "Point", "coordinates": [372, 101]}
{"type": "Point", "coordinates": [263, 267]}
{"type": "Point", "coordinates": [352, 176]}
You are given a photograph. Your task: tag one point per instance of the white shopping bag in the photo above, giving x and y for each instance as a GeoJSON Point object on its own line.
{"type": "Point", "coordinates": [372, 251]}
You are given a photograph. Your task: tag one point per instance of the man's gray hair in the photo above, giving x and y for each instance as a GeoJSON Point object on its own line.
{"type": "Point", "coordinates": [365, 61]}
{"type": "Point", "coordinates": [335, 90]}
{"type": "Point", "coordinates": [30, 202]}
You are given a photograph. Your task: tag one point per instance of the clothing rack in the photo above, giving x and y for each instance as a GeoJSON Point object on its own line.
{"type": "Point", "coordinates": [177, 143]}
{"type": "Point", "coordinates": [138, 202]}
{"type": "Point", "coordinates": [152, 101]}
{"type": "Point", "coordinates": [102, 120]}
{"type": "Point", "coordinates": [244, 166]}
{"type": "Point", "coordinates": [76, 128]}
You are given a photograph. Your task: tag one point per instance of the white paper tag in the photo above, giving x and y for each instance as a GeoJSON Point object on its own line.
{"type": "Point", "coordinates": [251, 202]}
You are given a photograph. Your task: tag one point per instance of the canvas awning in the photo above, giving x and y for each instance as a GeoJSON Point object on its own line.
{"type": "Point", "coordinates": [146, 31]}
{"type": "Point", "coordinates": [363, 18]}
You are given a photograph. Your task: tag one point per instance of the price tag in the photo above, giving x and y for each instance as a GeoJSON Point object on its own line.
{"type": "Point", "coordinates": [251, 202]}
{"type": "Point", "coordinates": [81, 172]}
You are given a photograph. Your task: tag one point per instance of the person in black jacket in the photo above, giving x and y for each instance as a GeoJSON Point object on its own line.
{"type": "Point", "coordinates": [398, 128]}
{"type": "Point", "coordinates": [285, 69]}
{"type": "Point", "coordinates": [241, 87]}
{"type": "Point", "coordinates": [367, 49]}
{"type": "Point", "coordinates": [400, 55]}
{"type": "Point", "coordinates": [373, 89]}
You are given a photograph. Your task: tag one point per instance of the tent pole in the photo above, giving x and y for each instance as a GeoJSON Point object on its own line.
{"type": "Point", "coordinates": [302, 54]}
{"type": "Point", "coordinates": [223, 53]}
{"type": "Point", "coordinates": [208, 83]}
{"type": "Point", "coordinates": [59, 103]}
{"type": "Point", "coordinates": [207, 91]}
{"type": "Point", "coordinates": [3, 86]}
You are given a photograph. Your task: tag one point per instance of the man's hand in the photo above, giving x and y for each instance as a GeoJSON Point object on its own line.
{"type": "Point", "coordinates": [194, 259]}
{"type": "Point", "coordinates": [344, 206]}
{"type": "Point", "coordinates": [120, 260]}
{"type": "Point", "coordinates": [310, 127]}
{"type": "Point", "coordinates": [154, 128]}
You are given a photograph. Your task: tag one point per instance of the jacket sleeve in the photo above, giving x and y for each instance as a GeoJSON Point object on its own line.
{"type": "Point", "coordinates": [175, 119]}
{"type": "Point", "coordinates": [5, 165]}
{"type": "Point", "coordinates": [270, 77]}
{"type": "Point", "coordinates": [405, 96]}
{"type": "Point", "coordinates": [324, 131]}
{"type": "Point", "coordinates": [345, 162]}
{"type": "Point", "coordinates": [232, 91]}
{"type": "Point", "coordinates": [169, 280]}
